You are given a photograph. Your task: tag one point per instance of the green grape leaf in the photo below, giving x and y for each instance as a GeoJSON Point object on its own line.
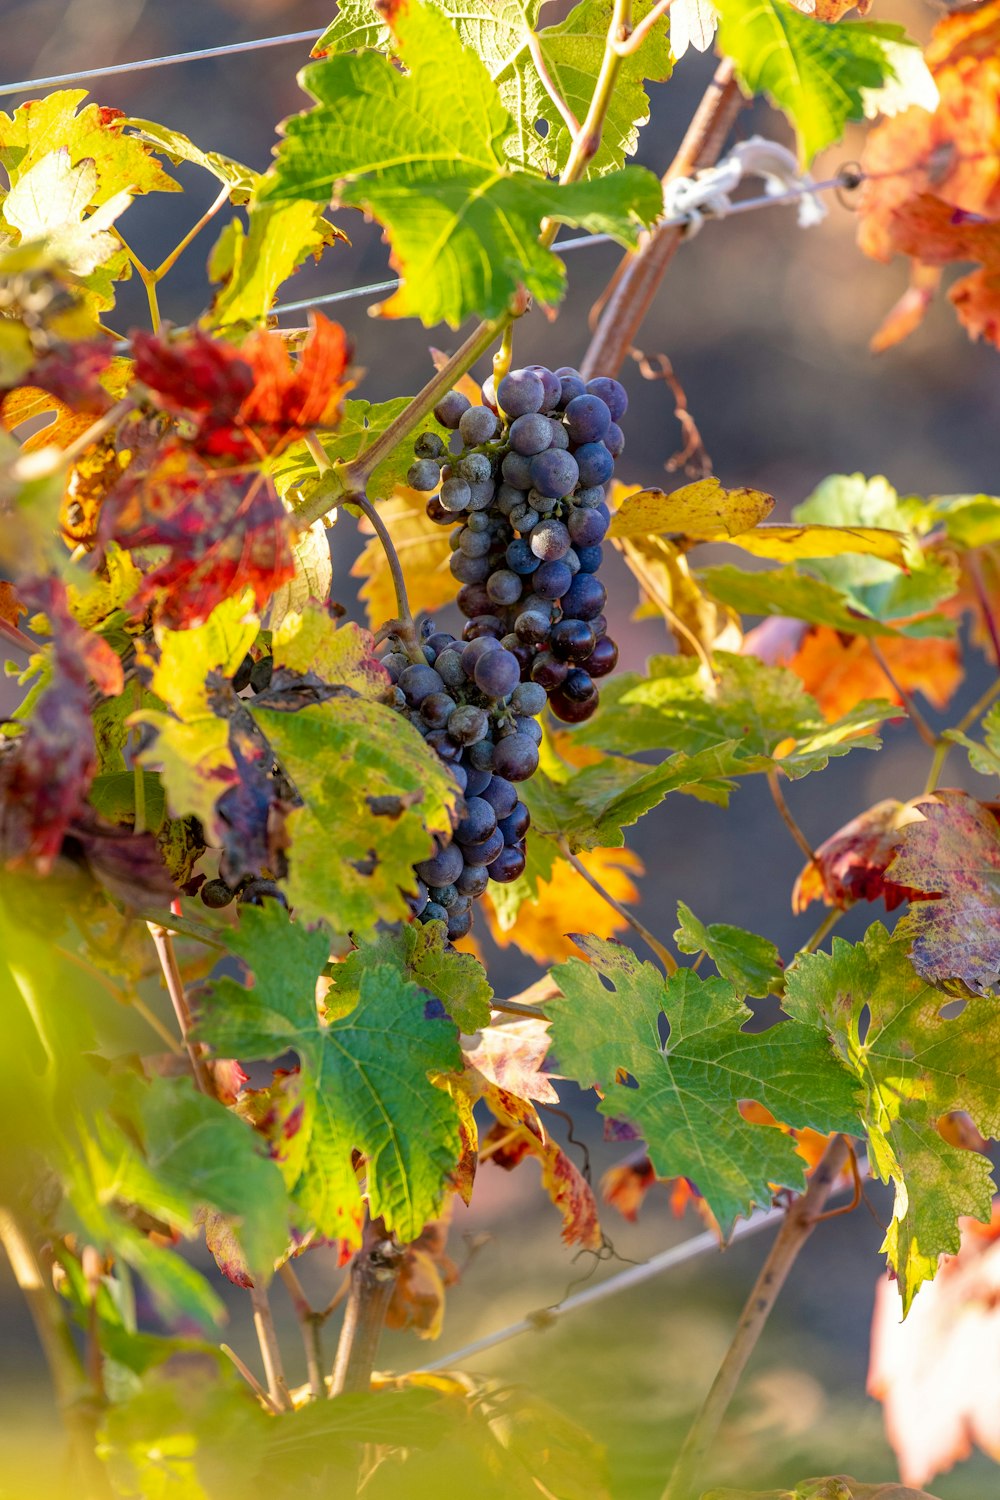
{"type": "Point", "coordinates": [190, 746]}
{"type": "Point", "coordinates": [749, 962]}
{"type": "Point", "coordinates": [123, 163]}
{"type": "Point", "coordinates": [873, 586]}
{"type": "Point", "coordinates": [345, 654]}
{"type": "Point", "coordinates": [572, 52]}
{"type": "Point", "coordinates": [786, 591]}
{"type": "Point", "coordinates": [253, 263]}
{"type": "Point", "coordinates": [914, 1066]}
{"type": "Point", "coordinates": [422, 953]}
{"type": "Point", "coordinates": [112, 795]}
{"type": "Point", "coordinates": [756, 709]}
{"type": "Point", "coordinates": [984, 755]}
{"type": "Point", "coordinates": [814, 71]}
{"type": "Point", "coordinates": [350, 759]}
{"type": "Point", "coordinates": [364, 1075]}
{"type": "Point", "coordinates": [682, 1096]}
{"type": "Point", "coordinates": [952, 857]}
{"type": "Point", "coordinates": [176, 146]}
{"type": "Point", "coordinates": [463, 226]}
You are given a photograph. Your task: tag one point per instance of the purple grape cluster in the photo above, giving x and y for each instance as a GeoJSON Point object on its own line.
{"type": "Point", "coordinates": [522, 485]}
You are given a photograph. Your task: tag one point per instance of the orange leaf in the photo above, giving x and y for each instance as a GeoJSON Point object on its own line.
{"type": "Point", "coordinates": [511, 1057]}
{"type": "Point", "coordinates": [840, 673]}
{"type": "Point", "coordinates": [11, 606]}
{"type": "Point", "coordinates": [566, 903]}
{"type": "Point", "coordinates": [938, 1373]}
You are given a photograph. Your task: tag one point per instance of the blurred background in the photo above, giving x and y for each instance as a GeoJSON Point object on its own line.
{"type": "Point", "coordinates": [767, 327]}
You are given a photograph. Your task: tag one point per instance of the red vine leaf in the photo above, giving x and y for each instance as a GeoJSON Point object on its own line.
{"type": "Point", "coordinates": [953, 855]}
{"type": "Point", "coordinates": [851, 864]}
{"type": "Point", "coordinates": [222, 535]}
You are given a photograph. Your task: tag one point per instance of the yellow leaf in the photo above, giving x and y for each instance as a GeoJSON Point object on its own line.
{"type": "Point", "coordinates": [786, 543]}
{"type": "Point", "coordinates": [566, 903]}
{"type": "Point", "coordinates": [423, 551]}
{"type": "Point", "coordinates": [704, 510]}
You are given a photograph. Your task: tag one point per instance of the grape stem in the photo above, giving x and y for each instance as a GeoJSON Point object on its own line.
{"type": "Point", "coordinates": [787, 818]}
{"type": "Point", "coordinates": [663, 954]}
{"type": "Point", "coordinates": [917, 719]}
{"type": "Point", "coordinates": [635, 38]}
{"type": "Point", "coordinates": [800, 1220]}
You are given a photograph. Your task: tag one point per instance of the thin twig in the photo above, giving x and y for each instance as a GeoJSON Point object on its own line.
{"type": "Point", "coordinates": [799, 1222]}
{"type": "Point", "coordinates": [640, 272]}
{"type": "Point", "coordinates": [178, 250]}
{"type": "Point", "coordinates": [513, 1008]}
{"type": "Point", "coordinates": [185, 926]}
{"type": "Point", "coordinates": [920, 724]}
{"type": "Point", "coordinates": [980, 706]}
{"type": "Point", "coordinates": [374, 1274]}
{"type": "Point", "coordinates": [146, 276]}
{"type": "Point", "coordinates": [311, 1323]}
{"type": "Point", "coordinates": [645, 26]}
{"type": "Point", "coordinates": [548, 82]}
{"type": "Point", "coordinates": [392, 558]}
{"type": "Point", "coordinates": [250, 1378]}
{"type": "Point", "coordinates": [164, 944]}
{"type": "Point", "coordinates": [17, 638]}
{"type": "Point", "coordinates": [270, 1350]}
{"type": "Point", "coordinates": [788, 820]}
{"type": "Point", "coordinates": [824, 929]}
{"type": "Point", "coordinates": [663, 954]}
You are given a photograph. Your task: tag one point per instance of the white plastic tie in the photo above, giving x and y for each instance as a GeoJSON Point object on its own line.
{"type": "Point", "coordinates": [691, 200]}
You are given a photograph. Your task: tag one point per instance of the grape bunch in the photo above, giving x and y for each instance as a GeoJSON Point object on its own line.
{"type": "Point", "coordinates": [523, 487]}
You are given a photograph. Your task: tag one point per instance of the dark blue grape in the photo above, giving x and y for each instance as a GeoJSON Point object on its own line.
{"type": "Point", "coordinates": [443, 745]}
{"type": "Point", "coordinates": [424, 474]}
{"type": "Point", "coordinates": [455, 494]}
{"type": "Point", "coordinates": [550, 540]}
{"type": "Point", "coordinates": [459, 923]}
{"type": "Point", "coordinates": [551, 580]}
{"type": "Point", "coordinates": [530, 434]}
{"type": "Point", "coordinates": [480, 755]}
{"type": "Point", "coordinates": [528, 698]}
{"type": "Point", "coordinates": [481, 494]}
{"type": "Point", "coordinates": [460, 776]}
{"type": "Point", "coordinates": [473, 881]}
{"type": "Point", "coordinates": [590, 558]}
{"type": "Point", "coordinates": [468, 724]}
{"type": "Point", "coordinates": [477, 823]}
{"type": "Point", "coordinates": [587, 418]}
{"type": "Point", "coordinates": [551, 383]}
{"type": "Point", "coordinates": [614, 440]}
{"type": "Point", "coordinates": [428, 445]}
{"type": "Point", "coordinates": [475, 780]}
{"type": "Point", "coordinates": [469, 569]}
{"type": "Point", "coordinates": [395, 663]}
{"type": "Point", "coordinates": [555, 473]}
{"type": "Point", "coordinates": [524, 518]}
{"type": "Point", "coordinates": [548, 671]}
{"type": "Point", "coordinates": [571, 385]}
{"type": "Point", "coordinates": [612, 393]}
{"type": "Point", "coordinates": [515, 470]}
{"type": "Point", "coordinates": [560, 437]}
{"type": "Point", "coordinates": [477, 425]}
{"type": "Point", "coordinates": [591, 497]}
{"type": "Point", "coordinates": [418, 682]}
{"type": "Point", "coordinates": [498, 672]}
{"type": "Point", "coordinates": [585, 598]}
{"type": "Point", "coordinates": [572, 640]}
{"type": "Point", "coordinates": [571, 711]}
{"type": "Point", "coordinates": [437, 513]}
{"type": "Point", "coordinates": [515, 825]}
{"type": "Point", "coordinates": [418, 901]}
{"type": "Point", "coordinates": [482, 626]}
{"type": "Point", "coordinates": [478, 543]}
{"type": "Point", "coordinates": [443, 868]}
{"type": "Point", "coordinates": [450, 408]}
{"type": "Point", "coordinates": [504, 587]}
{"type": "Point", "coordinates": [595, 464]}
{"type": "Point", "coordinates": [520, 558]}
{"type": "Point", "coordinates": [444, 895]}
{"type": "Point", "coordinates": [501, 794]}
{"type": "Point", "coordinates": [486, 852]}
{"type": "Point", "coordinates": [474, 650]}
{"type": "Point", "coordinates": [436, 709]}
{"type": "Point", "coordinates": [475, 467]}
{"type": "Point", "coordinates": [520, 392]}
{"type": "Point", "coordinates": [509, 498]}
{"type": "Point", "coordinates": [586, 527]}
{"type": "Point", "coordinates": [516, 757]}
{"type": "Point", "coordinates": [433, 913]}
{"type": "Point", "coordinates": [526, 724]}
{"type": "Point", "coordinates": [532, 626]}
{"type": "Point", "coordinates": [604, 657]}
{"type": "Point", "coordinates": [508, 865]}
{"type": "Point", "coordinates": [578, 686]}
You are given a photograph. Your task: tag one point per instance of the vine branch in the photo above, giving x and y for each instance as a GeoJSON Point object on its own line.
{"type": "Point", "coordinates": [374, 1274]}
{"type": "Point", "coordinates": [663, 954]}
{"type": "Point", "coordinates": [917, 719]}
{"type": "Point", "coordinates": [800, 1220]}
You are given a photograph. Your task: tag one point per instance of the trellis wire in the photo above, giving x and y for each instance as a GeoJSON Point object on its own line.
{"type": "Point", "coordinates": [744, 205]}
{"type": "Point", "coordinates": [691, 1249]}
{"type": "Point", "coordinates": [26, 85]}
